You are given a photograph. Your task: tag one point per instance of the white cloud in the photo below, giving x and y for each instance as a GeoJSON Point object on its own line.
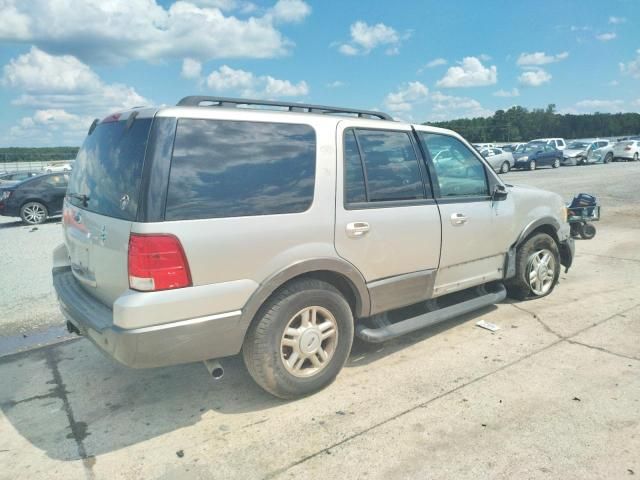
{"type": "Point", "coordinates": [447, 107]}
{"type": "Point", "coordinates": [616, 20]}
{"type": "Point", "coordinates": [632, 67]}
{"type": "Point", "coordinates": [534, 78]}
{"type": "Point", "coordinates": [613, 83]}
{"type": "Point", "coordinates": [191, 69]}
{"type": "Point", "coordinates": [601, 105]}
{"type": "Point", "coordinates": [249, 85]}
{"type": "Point", "coordinates": [514, 92]}
{"type": "Point", "coordinates": [120, 30]}
{"type": "Point", "coordinates": [48, 127]}
{"type": "Point", "coordinates": [365, 38]}
{"type": "Point", "coordinates": [403, 99]}
{"type": "Point", "coordinates": [293, 11]}
{"type": "Point", "coordinates": [38, 71]}
{"type": "Point", "coordinates": [484, 57]}
{"type": "Point", "coordinates": [540, 58]}
{"type": "Point", "coordinates": [436, 62]}
{"type": "Point", "coordinates": [66, 95]}
{"type": "Point", "coordinates": [470, 73]}
{"type": "Point", "coordinates": [605, 37]}
{"type": "Point", "coordinates": [335, 84]}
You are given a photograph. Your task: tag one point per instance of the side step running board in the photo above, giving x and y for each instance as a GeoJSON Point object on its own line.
{"type": "Point", "coordinates": [387, 330]}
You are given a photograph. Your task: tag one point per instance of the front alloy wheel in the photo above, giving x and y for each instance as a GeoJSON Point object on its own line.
{"type": "Point", "coordinates": [541, 272]}
{"type": "Point", "coordinates": [556, 163]}
{"type": "Point", "coordinates": [532, 165]}
{"type": "Point", "coordinates": [505, 167]}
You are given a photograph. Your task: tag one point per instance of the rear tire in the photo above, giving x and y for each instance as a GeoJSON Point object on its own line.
{"type": "Point", "coordinates": [289, 350]}
{"type": "Point", "coordinates": [608, 158]}
{"type": "Point", "coordinates": [635, 157]}
{"type": "Point", "coordinates": [537, 268]}
{"type": "Point", "coordinates": [505, 167]}
{"type": "Point", "coordinates": [33, 213]}
{"type": "Point", "coordinates": [556, 163]}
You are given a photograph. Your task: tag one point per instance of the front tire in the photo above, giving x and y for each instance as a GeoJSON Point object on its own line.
{"type": "Point", "coordinates": [33, 213]}
{"type": "Point", "coordinates": [556, 163]}
{"type": "Point", "coordinates": [537, 268]}
{"type": "Point", "coordinates": [587, 231]}
{"type": "Point", "coordinates": [300, 339]}
{"type": "Point", "coordinates": [532, 165]}
{"type": "Point", "coordinates": [505, 167]}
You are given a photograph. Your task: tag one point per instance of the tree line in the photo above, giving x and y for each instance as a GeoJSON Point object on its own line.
{"type": "Point", "coordinates": [18, 154]}
{"type": "Point", "coordinates": [518, 124]}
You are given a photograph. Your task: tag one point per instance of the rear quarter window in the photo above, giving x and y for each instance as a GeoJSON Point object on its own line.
{"type": "Point", "coordinates": [223, 168]}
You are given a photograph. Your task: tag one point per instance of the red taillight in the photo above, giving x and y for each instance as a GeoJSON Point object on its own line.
{"type": "Point", "coordinates": [157, 262]}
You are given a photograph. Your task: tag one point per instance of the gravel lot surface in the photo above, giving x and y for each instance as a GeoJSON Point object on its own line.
{"type": "Point", "coordinates": [554, 394]}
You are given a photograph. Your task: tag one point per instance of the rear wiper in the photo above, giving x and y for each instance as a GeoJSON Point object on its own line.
{"type": "Point", "coordinates": [80, 196]}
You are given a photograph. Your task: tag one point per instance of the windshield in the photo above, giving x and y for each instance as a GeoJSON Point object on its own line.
{"type": "Point", "coordinates": [531, 147]}
{"type": "Point", "coordinates": [577, 145]}
{"type": "Point", "coordinates": [107, 171]}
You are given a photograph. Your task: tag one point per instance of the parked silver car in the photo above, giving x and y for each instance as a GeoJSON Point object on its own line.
{"type": "Point", "coordinates": [500, 160]}
{"type": "Point", "coordinates": [201, 231]}
{"type": "Point", "coordinates": [582, 152]}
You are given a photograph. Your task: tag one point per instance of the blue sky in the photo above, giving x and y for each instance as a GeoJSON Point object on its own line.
{"type": "Point", "coordinates": [65, 62]}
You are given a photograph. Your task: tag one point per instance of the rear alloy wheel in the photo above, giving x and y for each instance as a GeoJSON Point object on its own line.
{"type": "Point", "coordinates": [33, 213]}
{"type": "Point", "coordinates": [608, 157]}
{"type": "Point", "coordinates": [537, 268]}
{"type": "Point", "coordinates": [505, 167]}
{"type": "Point", "coordinates": [532, 165]}
{"type": "Point", "coordinates": [300, 339]}
{"type": "Point", "coordinates": [635, 157]}
{"type": "Point", "coordinates": [556, 163]}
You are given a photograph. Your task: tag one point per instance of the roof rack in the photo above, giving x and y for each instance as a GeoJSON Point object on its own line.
{"type": "Point", "coordinates": [197, 101]}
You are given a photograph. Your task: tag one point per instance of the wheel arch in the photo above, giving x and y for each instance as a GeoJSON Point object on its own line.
{"type": "Point", "coordinates": [548, 225]}
{"type": "Point", "coordinates": [337, 272]}
{"type": "Point", "coordinates": [35, 200]}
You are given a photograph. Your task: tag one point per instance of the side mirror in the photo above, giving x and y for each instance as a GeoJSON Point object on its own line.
{"type": "Point", "coordinates": [499, 193]}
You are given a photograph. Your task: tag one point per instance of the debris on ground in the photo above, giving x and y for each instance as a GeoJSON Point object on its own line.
{"type": "Point", "coordinates": [180, 453]}
{"type": "Point", "coordinates": [488, 326]}
{"type": "Point", "coordinates": [576, 399]}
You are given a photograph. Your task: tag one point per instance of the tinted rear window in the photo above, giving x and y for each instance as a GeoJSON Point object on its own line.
{"type": "Point", "coordinates": [108, 169]}
{"type": "Point", "coordinates": [224, 168]}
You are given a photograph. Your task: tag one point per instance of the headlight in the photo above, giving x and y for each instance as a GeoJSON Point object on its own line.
{"type": "Point", "coordinates": [524, 159]}
{"type": "Point", "coordinates": [4, 195]}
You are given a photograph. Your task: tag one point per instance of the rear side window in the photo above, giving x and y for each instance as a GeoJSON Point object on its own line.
{"type": "Point", "coordinates": [108, 169]}
{"type": "Point", "coordinates": [223, 168]}
{"type": "Point", "coordinates": [381, 166]}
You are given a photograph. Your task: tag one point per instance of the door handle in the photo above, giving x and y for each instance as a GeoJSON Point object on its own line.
{"type": "Point", "coordinates": [357, 229]}
{"type": "Point", "coordinates": [458, 219]}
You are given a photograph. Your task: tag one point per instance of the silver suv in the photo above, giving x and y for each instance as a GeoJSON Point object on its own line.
{"type": "Point", "coordinates": [280, 231]}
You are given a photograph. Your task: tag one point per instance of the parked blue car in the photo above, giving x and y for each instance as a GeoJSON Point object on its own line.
{"type": "Point", "coordinates": [536, 154]}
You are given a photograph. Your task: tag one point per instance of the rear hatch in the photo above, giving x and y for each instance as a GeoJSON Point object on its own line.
{"type": "Point", "coordinates": [619, 148]}
{"type": "Point", "coordinates": [102, 203]}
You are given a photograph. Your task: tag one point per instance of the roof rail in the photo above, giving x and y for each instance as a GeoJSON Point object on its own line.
{"type": "Point", "coordinates": [197, 101]}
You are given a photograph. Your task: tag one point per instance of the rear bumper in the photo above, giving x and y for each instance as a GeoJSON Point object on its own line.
{"type": "Point", "coordinates": [183, 341]}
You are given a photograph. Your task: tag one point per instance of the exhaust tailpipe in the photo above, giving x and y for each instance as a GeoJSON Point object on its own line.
{"type": "Point", "coordinates": [214, 368]}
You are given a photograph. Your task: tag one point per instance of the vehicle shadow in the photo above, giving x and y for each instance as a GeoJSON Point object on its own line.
{"type": "Point", "coordinates": [18, 223]}
{"type": "Point", "coordinates": [105, 407]}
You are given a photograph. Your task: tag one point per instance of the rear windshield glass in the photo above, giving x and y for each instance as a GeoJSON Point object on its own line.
{"type": "Point", "coordinates": [108, 168]}
{"type": "Point", "coordinates": [223, 168]}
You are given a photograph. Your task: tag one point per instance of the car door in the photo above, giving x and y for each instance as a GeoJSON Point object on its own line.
{"type": "Point", "coordinates": [476, 231]}
{"type": "Point", "coordinates": [54, 188]}
{"type": "Point", "coordinates": [387, 222]}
